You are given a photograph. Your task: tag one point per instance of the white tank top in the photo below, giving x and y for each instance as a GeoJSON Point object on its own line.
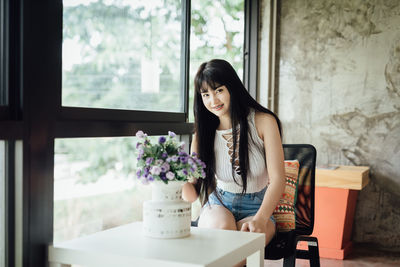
{"type": "Point", "coordinates": [257, 176]}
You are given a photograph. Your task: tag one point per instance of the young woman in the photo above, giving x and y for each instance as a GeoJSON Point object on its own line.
{"type": "Point", "coordinates": [240, 142]}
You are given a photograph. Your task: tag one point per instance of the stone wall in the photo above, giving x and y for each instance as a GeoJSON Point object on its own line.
{"type": "Point", "coordinates": [339, 89]}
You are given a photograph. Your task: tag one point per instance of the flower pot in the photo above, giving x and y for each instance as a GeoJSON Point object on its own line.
{"type": "Point", "coordinates": [166, 215]}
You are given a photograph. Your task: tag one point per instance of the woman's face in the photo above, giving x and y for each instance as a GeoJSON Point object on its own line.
{"type": "Point", "coordinates": [216, 101]}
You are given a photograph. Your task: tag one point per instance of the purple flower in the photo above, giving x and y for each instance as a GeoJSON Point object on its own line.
{"type": "Point", "coordinates": [140, 134]}
{"type": "Point", "coordinates": [170, 175]}
{"type": "Point", "coordinates": [149, 161]}
{"type": "Point", "coordinates": [155, 170]}
{"type": "Point", "coordinates": [183, 159]}
{"type": "Point", "coordinates": [162, 176]}
{"type": "Point", "coordinates": [183, 153]}
{"type": "Point", "coordinates": [165, 167]}
{"type": "Point", "coordinates": [146, 171]}
{"type": "Point", "coordinates": [162, 140]}
{"type": "Point", "coordinates": [194, 154]}
{"type": "Point", "coordinates": [160, 165]}
{"type": "Point", "coordinates": [194, 165]}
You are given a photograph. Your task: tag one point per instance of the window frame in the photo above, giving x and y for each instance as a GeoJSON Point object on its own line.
{"type": "Point", "coordinates": [36, 116]}
{"type": "Point", "coordinates": [11, 126]}
{"type": "Point", "coordinates": [4, 113]}
{"type": "Point", "coordinates": [250, 51]}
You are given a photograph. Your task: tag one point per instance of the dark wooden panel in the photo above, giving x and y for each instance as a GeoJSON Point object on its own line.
{"type": "Point", "coordinates": [11, 130]}
{"type": "Point", "coordinates": [75, 113]}
{"type": "Point", "coordinates": [41, 90]}
{"type": "Point", "coordinates": [4, 113]}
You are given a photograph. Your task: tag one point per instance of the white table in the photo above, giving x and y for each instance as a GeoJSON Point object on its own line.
{"type": "Point", "coordinates": [126, 246]}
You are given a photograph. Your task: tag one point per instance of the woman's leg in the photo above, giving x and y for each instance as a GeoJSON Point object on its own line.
{"type": "Point", "coordinates": [217, 216]}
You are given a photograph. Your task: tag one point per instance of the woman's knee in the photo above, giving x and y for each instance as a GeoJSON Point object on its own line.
{"type": "Point", "coordinates": [217, 217]}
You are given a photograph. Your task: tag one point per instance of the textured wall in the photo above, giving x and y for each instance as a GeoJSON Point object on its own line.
{"type": "Point", "coordinates": [339, 89]}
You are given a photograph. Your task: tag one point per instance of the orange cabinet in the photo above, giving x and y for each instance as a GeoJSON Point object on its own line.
{"type": "Point", "coordinates": [336, 194]}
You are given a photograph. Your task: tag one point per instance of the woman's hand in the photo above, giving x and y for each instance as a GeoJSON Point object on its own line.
{"type": "Point", "coordinates": [189, 192]}
{"type": "Point", "coordinates": [255, 225]}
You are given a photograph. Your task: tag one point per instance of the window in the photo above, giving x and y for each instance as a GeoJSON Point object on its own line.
{"type": "Point", "coordinates": [217, 31]}
{"type": "Point", "coordinates": [107, 69]}
{"type": "Point", "coordinates": [122, 54]}
{"type": "Point", "coordinates": [95, 187]}
{"type": "Point", "coordinates": [2, 204]}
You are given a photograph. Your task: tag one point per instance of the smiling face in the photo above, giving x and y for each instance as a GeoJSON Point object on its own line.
{"type": "Point", "coordinates": [217, 100]}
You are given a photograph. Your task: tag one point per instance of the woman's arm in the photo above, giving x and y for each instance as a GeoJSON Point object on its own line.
{"type": "Point", "coordinates": [268, 131]}
{"type": "Point", "coordinates": [188, 191]}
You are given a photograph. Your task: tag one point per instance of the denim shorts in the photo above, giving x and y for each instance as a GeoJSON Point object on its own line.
{"type": "Point", "coordinates": [241, 206]}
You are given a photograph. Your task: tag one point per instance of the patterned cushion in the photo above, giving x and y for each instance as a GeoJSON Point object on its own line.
{"type": "Point", "coordinates": [284, 212]}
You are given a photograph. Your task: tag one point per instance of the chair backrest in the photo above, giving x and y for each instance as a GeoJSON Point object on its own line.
{"type": "Point", "coordinates": [283, 244]}
{"type": "Point", "coordinates": [306, 155]}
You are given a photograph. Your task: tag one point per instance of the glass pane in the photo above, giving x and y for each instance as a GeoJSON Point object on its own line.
{"type": "Point", "coordinates": [95, 186]}
{"type": "Point", "coordinates": [122, 54]}
{"type": "Point", "coordinates": [217, 31]}
{"type": "Point", "coordinates": [2, 204]}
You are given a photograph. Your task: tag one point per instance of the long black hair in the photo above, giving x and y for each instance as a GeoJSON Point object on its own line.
{"type": "Point", "coordinates": [213, 74]}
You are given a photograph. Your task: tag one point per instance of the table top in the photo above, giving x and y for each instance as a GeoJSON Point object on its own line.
{"type": "Point", "coordinates": [346, 177]}
{"type": "Point", "coordinates": [126, 246]}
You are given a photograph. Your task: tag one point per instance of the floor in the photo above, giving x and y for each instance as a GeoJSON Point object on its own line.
{"type": "Point", "coordinates": [360, 257]}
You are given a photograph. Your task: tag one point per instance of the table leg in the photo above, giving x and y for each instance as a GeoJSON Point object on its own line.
{"type": "Point", "coordinates": [256, 259]}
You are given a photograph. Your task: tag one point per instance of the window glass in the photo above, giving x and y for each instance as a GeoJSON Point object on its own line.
{"type": "Point", "coordinates": [122, 54]}
{"type": "Point", "coordinates": [2, 204]}
{"type": "Point", "coordinates": [217, 31]}
{"type": "Point", "coordinates": [95, 186]}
